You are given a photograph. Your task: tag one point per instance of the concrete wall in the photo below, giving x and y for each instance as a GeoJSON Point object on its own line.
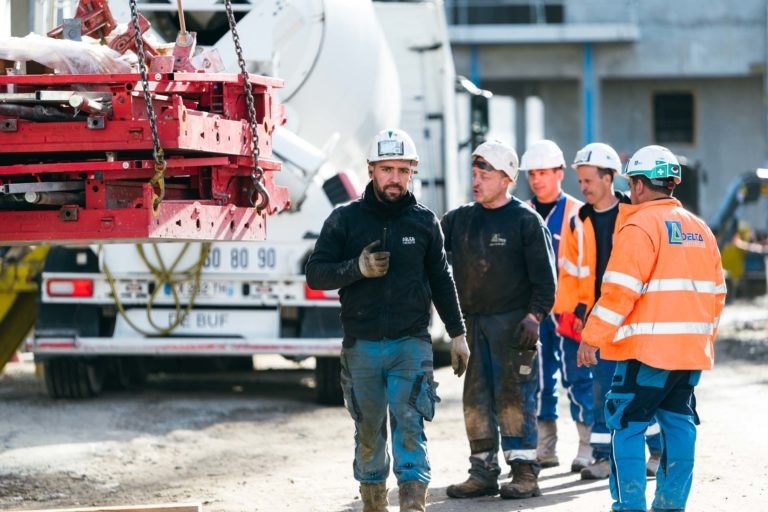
{"type": "Point", "coordinates": [714, 49]}
{"type": "Point", "coordinates": [728, 134]}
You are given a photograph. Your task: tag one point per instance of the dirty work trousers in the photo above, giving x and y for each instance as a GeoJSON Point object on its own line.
{"type": "Point", "coordinates": [500, 391]}
{"type": "Point", "coordinates": [637, 394]}
{"type": "Point", "coordinates": [600, 438]}
{"type": "Point", "coordinates": [558, 353]}
{"type": "Point", "coordinates": [394, 374]}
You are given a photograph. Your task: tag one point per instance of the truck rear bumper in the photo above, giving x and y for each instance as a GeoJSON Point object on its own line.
{"type": "Point", "coordinates": [181, 346]}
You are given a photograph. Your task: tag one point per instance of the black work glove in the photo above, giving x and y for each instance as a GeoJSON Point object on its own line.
{"type": "Point", "coordinates": [373, 264]}
{"type": "Point", "coordinates": [528, 332]}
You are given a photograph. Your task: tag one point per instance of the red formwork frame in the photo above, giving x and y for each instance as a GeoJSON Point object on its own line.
{"type": "Point", "coordinates": [107, 159]}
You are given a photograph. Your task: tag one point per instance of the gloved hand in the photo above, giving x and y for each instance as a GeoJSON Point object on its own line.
{"type": "Point", "coordinates": [459, 355]}
{"type": "Point", "coordinates": [373, 264]}
{"type": "Point", "coordinates": [528, 331]}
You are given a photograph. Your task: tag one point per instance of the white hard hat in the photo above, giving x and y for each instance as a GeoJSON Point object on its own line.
{"type": "Point", "coordinates": [598, 154]}
{"type": "Point", "coordinates": [501, 156]}
{"type": "Point", "coordinates": [392, 144]}
{"type": "Point", "coordinates": [543, 154]}
{"type": "Point", "coordinates": [655, 163]}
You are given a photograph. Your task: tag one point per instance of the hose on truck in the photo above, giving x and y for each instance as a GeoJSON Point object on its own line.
{"type": "Point", "coordinates": [163, 276]}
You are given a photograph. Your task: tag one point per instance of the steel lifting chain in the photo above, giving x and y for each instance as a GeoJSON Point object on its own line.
{"type": "Point", "coordinates": [158, 180]}
{"type": "Point", "coordinates": [261, 199]}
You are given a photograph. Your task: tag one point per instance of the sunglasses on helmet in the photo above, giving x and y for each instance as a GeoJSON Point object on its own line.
{"type": "Point", "coordinates": [483, 165]}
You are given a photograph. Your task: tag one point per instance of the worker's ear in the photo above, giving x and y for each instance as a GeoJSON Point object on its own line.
{"type": "Point", "coordinates": [370, 171]}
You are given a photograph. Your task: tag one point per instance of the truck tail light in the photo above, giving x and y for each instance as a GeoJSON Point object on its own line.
{"type": "Point", "coordinates": [70, 287]}
{"type": "Point", "coordinates": [311, 294]}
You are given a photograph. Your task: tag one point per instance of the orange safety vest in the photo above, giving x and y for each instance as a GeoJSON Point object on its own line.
{"type": "Point", "coordinates": [663, 291]}
{"type": "Point", "coordinates": [576, 281]}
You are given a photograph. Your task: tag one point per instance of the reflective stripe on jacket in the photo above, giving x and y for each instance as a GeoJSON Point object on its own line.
{"type": "Point", "coordinates": [558, 221]}
{"type": "Point", "coordinates": [576, 281]}
{"type": "Point", "coordinates": [663, 291]}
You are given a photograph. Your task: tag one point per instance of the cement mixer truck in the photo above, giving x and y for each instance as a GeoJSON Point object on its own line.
{"type": "Point", "coordinates": [109, 315]}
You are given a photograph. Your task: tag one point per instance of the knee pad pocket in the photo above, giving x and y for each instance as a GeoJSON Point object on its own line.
{"type": "Point", "coordinates": [615, 406]}
{"type": "Point", "coordinates": [348, 390]}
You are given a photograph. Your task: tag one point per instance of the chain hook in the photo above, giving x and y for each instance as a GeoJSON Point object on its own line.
{"type": "Point", "coordinates": [157, 151]}
{"type": "Point", "coordinates": [257, 173]}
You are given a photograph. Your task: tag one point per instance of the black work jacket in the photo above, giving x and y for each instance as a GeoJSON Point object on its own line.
{"type": "Point", "coordinates": [399, 303]}
{"type": "Point", "coordinates": [502, 258]}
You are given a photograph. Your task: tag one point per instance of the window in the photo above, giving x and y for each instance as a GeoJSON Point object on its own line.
{"type": "Point", "coordinates": [504, 12]}
{"type": "Point", "coordinates": [673, 117]}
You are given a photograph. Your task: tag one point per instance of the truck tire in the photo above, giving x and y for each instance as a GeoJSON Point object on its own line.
{"type": "Point", "coordinates": [328, 380]}
{"type": "Point", "coordinates": [72, 377]}
{"type": "Point", "coordinates": [124, 373]}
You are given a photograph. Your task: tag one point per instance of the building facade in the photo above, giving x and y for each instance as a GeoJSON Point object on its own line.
{"type": "Point", "coordinates": [686, 74]}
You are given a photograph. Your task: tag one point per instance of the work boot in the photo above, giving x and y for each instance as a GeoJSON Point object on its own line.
{"type": "Point", "coordinates": [374, 497]}
{"type": "Point", "coordinates": [524, 484]}
{"type": "Point", "coordinates": [584, 455]}
{"type": "Point", "coordinates": [413, 496]}
{"type": "Point", "coordinates": [652, 466]}
{"type": "Point", "coordinates": [545, 451]}
{"type": "Point", "coordinates": [472, 488]}
{"type": "Point", "coordinates": [598, 470]}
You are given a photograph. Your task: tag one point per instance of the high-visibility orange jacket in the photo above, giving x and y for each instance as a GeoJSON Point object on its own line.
{"type": "Point", "coordinates": [557, 220]}
{"type": "Point", "coordinates": [578, 265]}
{"type": "Point", "coordinates": [663, 291]}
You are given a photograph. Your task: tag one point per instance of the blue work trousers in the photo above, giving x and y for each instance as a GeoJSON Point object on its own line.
{"type": "Point", "coordinates": [637, 394]}
{"type": "Point", "coordinates": [394, 374]}
{"type": "Point", "coordinates": [558, 354]}
{"type": "Point", "coordinates": [600, 439]}
{"type": "Point", "coordinates": [500, 390]}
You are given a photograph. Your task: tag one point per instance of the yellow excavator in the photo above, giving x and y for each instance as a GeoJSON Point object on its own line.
{"type": "Point", "coordinates": [19, 267]}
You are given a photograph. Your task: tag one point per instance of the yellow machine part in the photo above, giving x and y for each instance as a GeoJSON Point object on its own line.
{"type": "Point", "coordinates": [18, 297]}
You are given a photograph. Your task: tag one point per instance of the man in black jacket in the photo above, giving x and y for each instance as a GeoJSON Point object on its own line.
{"type": "Point", "coordinates": [385, 253]}
{"type": "Point", "coordinates": [504, 264]}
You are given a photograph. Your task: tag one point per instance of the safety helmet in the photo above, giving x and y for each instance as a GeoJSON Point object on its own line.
{"type": "Point", "coordinates": [501, 156]}
{"type": "Point", "coordinates": [656, 163]}
{"type": "Point", "coordinates": [598, 154]}
{"type": "Point", "coordinates": [543, 154]}
{"type": "Point", "coordinates": [393, 144]}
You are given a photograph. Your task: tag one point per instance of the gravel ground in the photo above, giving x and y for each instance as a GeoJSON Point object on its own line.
{"type": "Point", "coordinates": [258, 442]}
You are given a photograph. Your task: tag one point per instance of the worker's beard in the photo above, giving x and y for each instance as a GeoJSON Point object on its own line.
{"type": "Point", "coordinates": [388, 194]}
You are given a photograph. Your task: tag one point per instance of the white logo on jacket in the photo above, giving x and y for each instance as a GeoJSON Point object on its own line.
{"type": "Point", "coordinates": [409, 240]}
{"type": "Point", "coordinates": [497, 240]}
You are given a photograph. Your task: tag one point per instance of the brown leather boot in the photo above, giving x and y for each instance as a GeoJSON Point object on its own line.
{"type": "Point", "coordinates": [374, 497]}
{"type": "Point", "coordinates": [472, 488]}
{"type": "Point", "coordinates": [413, 496]}
{"type": "Point", "coordinates": [524, 484]}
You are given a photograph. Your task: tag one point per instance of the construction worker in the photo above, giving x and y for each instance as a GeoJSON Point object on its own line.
{"type": "Point", "coordinates": [505, 274]}
{"type": "Point", "coordinates": [661, 299]}
{"type": "Point", "coordinates": [385, 253]}
{"type": "Point", "coordinates": [544, 163]}
{"type": "Point", "coordinates": [586, 246]}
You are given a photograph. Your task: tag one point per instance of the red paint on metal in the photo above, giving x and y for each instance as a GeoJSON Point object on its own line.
{"type": "Point", "coordinates": [205, 135]}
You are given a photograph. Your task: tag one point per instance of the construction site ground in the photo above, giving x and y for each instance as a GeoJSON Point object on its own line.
{"type": "Point", "coordinates": [258, 442]}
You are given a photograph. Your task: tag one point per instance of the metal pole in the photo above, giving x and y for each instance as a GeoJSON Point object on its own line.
{"type": "Point", "coordinates": [182, 23]}
{"type": "Point", "coordinates": [587, 88]}
{"type": "Point", "coordinates": [765, 92]}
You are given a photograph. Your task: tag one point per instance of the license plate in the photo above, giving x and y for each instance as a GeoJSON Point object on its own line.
{"type": "Point", "coordinates": [205, 290]}
{"type": "Point", "coordinates": [243, 258]}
